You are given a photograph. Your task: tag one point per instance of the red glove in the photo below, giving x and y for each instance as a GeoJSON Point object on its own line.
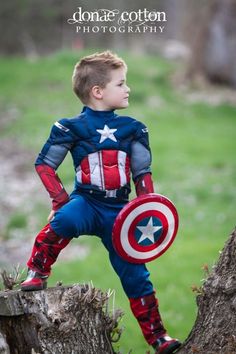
{"type": "Point", "coordinates": [53, 185]}
{"type": "Point", "coordinates": [144, 184]}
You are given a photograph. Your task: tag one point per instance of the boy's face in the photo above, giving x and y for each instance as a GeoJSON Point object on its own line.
{"type": "Point", "coordinates": [115, 95]}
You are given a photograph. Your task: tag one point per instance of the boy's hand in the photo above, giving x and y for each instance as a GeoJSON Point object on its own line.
{"type": "Point", "coordinates": [51, 215]}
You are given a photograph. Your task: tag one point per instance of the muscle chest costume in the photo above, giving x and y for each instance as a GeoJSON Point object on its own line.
{"type": "Point", "coordinates": [106, 149]}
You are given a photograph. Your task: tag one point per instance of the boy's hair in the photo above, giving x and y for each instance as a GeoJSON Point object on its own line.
{"type": "Point", "coordinates": [94, 70]}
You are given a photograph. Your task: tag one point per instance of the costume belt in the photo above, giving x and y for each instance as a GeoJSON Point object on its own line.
{"type": "Point", "coordinates": [121, 193]}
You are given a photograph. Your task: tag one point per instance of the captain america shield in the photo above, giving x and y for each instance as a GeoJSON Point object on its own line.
{"type": "Point", "coordinates": [145, 228]}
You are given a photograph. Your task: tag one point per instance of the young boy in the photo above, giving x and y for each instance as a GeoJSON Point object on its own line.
{"type": "Point", "coordinates": [105, 148]}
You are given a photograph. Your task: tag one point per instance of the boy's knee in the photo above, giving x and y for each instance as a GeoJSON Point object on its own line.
{"type": "Point", "coordinates": [64, 225]}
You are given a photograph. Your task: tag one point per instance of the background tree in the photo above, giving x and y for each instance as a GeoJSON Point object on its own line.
{"type": "Point", "coordinates": [207, 28]}
{"type": "Point", "coordinates": [211, 33]}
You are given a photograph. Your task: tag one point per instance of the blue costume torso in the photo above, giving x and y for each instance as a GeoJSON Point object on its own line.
{"type": "Point", "coordinates": [105, 148]}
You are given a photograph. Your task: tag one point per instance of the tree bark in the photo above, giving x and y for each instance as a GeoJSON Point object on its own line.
{"type": "Point", "coordinates": [214, 331]}
{"type": "Point", "coordinates": [57, 320]}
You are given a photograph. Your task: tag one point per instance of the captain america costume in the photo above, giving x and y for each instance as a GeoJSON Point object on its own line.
{"type": "Point", "coordinates": [104, 147]}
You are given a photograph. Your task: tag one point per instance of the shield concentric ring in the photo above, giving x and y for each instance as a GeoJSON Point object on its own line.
{"type": "Point", "coordinates": [145, 228]}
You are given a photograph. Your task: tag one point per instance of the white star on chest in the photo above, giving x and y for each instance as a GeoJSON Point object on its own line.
{"type": "Point", "coordinates": [148, 231]}
{"type": "Point", "coordinates": [106, 133]}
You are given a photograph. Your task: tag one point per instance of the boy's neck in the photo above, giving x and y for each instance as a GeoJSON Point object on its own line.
{"type": "Point", "coordinates": [98, 106]}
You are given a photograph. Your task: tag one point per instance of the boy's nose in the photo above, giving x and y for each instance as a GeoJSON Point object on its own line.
{"type": "Point", "coordinates": [127, 89]}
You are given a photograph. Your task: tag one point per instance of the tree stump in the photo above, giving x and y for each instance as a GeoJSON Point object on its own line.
{"type": "Point", "coordinates": [214, 331]}
{"type": "Point", "coordinates": [56, 320]}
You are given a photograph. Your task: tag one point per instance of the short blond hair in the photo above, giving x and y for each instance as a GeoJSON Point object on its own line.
{"type": "Point", "coordinates": [94, 70]}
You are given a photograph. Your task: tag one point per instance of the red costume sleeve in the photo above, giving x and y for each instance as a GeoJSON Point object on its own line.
{"type": "Point", "coordinates": [53, 185]}
{"type": "Point", "coordinates": [144, 184]}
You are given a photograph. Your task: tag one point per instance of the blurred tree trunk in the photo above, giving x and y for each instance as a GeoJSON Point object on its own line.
{"type": "Point", "coordinates": [61, 320]}
{"type": "Point", "coordinates": [214, 331]}
{"type": "Point", "coordinates": [213, 38]}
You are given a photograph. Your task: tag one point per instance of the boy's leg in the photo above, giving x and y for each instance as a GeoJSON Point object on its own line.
{"type": "Point", "coordinates": [46, 249]}
{"type": "Point", "coordinates": [144, 304]}
{"type": "Point", "coordinates": [146, 311]}
{"type": "Point", "coordinates": [73, 219]}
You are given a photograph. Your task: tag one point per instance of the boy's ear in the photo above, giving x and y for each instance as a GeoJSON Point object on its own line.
{"type": "Point", "coordinates": [96, 92]}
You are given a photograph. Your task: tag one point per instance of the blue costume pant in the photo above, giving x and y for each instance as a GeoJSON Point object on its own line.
{"type": "Point", "coordinates": [83, 215]}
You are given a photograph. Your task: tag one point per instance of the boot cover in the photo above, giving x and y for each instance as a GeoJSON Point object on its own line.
{"type": "Point", "coordinates": [46, 249]}
{"type": "Point", "coordinates": [145, 309]}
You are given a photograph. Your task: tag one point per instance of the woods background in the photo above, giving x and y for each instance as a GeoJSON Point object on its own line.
{"type": "Point", "coordinates": [203, 30]}
{"type": "Point", "coordinates": [182, 86]}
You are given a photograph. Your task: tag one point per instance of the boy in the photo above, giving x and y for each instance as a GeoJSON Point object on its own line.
{"type": "Point", "coordinates": [105, 148]}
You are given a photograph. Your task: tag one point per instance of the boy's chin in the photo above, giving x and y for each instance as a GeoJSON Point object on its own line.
{"type": "Point", "coordinates": [123, 106]}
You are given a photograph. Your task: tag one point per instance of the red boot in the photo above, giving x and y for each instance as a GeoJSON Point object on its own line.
{"type": "Point", "coordinates": [145, 309]}
{"type": "Point", "coordinates": [45, 251]}
{"type": "Point", "coordinates": [166, 345]}
{"type": "Point", "coordinates": [34, 281]}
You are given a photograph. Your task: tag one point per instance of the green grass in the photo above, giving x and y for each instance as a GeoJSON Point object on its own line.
{"type": "Point", "coordinates": [17, 221]}
{"type": "Point", "coordinates": [193, 147]}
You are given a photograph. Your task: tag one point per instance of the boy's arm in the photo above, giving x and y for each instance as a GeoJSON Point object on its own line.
{"type": "Point", "coordinates": [53, 185]}
{"type": "Point", "coordinates": [144, 184]}
{"type": "Point", "coordinates": [141, 162]}
{"type": "Point", "coordinates": [51, 156]}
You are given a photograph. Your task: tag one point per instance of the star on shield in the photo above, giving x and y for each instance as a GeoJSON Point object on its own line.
{"type": "Point", "coordinates": [106, 133]}
{"type": "Point", "coordinates": [148, 231]}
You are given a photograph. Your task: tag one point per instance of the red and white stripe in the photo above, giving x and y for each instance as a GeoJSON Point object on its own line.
{"type": "Point", "coordinates": [107, 169]}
